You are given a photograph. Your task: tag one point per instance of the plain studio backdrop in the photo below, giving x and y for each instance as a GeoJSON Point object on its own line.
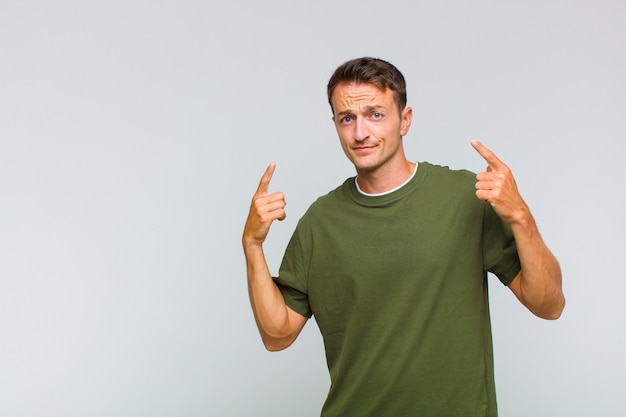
{"type": "Point", "coordinates": [134, 133]}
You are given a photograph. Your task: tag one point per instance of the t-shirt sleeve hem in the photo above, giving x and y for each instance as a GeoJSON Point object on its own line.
{"type": "Point", "coordinates": [296, 305]}
{"type": "Point", "coordinates": [508, 277]}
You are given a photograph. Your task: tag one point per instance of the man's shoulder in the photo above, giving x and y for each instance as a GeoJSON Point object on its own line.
{"type": "Point", "coordinates": [445, 169]}
{"type": "Point", "coordinates": [443, 173]}
{"type": "Point", "coordinates": [327, 203]}
{"type": "Point", "coordinates": [442, 183]}
{"type": "Point", "coordinates": [335, 195]}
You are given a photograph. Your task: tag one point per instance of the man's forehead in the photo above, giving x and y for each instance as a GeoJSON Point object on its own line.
{"type": "Point", "coordinates": [354, 87]}
{"type": "Point", "coordinates": [353, 94]}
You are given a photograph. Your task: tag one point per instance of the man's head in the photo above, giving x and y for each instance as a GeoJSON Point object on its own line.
{"type": "Point", "coordinates": [368, 100]}
{"type": "Point", "coordinates": [373, 71]}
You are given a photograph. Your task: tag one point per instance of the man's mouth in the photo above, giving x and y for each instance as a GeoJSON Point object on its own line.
{"type": "Point", "coordinates": [362, 147]}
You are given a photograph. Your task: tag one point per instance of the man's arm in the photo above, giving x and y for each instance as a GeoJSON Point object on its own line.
{"type": "Point", "coordinates": [538, 284]}
{"type": "Point", "coordinates": [278, 324]}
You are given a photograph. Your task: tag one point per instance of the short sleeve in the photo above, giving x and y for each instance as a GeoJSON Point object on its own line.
{"type": "Point", "coordinates": [291, 280]}
{"type": "Point", "coordinates": [500, 255]}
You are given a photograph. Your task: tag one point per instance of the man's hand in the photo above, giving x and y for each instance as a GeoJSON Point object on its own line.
{"type": "Point", "coordinates": [497, 187]}
{"type": "Point", "coordinates": [265, 208]}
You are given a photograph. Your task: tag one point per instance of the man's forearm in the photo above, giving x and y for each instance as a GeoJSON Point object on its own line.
{"type": "Point", "coordinates": [538, 285]}
{"type": "Point", "coordinates": [268, 305]}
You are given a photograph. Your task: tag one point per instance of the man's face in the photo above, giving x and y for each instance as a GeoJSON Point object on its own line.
{"type": "Point", "coordinates": [370, 125]}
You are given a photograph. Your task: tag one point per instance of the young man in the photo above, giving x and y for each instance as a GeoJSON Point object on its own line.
{"type": "Point", "coordinates": [393, 264]}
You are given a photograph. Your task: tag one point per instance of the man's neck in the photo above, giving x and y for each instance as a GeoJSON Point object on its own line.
{"type": "Point", "coordinates": [385, 179]}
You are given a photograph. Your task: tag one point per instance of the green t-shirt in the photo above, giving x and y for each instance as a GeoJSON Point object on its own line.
{"type": "Point", "coordinates": [397, 284]}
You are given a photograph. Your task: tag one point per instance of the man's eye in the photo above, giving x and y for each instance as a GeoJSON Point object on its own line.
{"type": "Point", "coordinates": [347, 119]}
{"type": "Point", "coordinates": [377, 115]}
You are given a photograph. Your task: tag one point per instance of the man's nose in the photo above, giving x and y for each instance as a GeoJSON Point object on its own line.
{"type": "Point", "coordinates": [360, 132]}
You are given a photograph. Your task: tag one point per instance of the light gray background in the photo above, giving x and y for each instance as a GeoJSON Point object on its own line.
{"type": "Point", "coordinates": [133, 135]}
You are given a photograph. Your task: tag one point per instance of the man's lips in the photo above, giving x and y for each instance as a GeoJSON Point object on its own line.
{"type": "Point", "coordinates": [362, 147]}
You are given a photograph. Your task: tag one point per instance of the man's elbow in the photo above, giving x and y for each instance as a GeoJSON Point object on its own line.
{"type": "Point", "coordinates": [276, 341]}
{"type": "Point", "coordinates": [554, 312]}
{"type": "Point", "coordinates": [276, 344]}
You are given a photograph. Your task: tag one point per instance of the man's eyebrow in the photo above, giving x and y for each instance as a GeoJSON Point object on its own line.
{"type": "Point", "coordinates": [344, 112]}
{"type": "Point", "coordinates": [374, 107]}
{"type": "Point", "coordinates": [365, 109]}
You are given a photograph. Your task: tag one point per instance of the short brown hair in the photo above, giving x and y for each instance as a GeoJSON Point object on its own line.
{"type": "Point", "coordinates": [369, 70]}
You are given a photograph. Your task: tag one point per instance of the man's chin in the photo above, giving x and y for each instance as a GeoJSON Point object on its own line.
{"type": "Point", "coordinates": [363, 166]}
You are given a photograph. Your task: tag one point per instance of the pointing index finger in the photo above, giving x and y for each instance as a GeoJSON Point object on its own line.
{"type": "Point", "coordinates": [492, 160]}
{"type": "Point", "coordinates": [264, 184]}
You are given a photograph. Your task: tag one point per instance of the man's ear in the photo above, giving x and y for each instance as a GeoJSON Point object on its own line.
{"type": "Point", "coordinates": [407, 118]}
